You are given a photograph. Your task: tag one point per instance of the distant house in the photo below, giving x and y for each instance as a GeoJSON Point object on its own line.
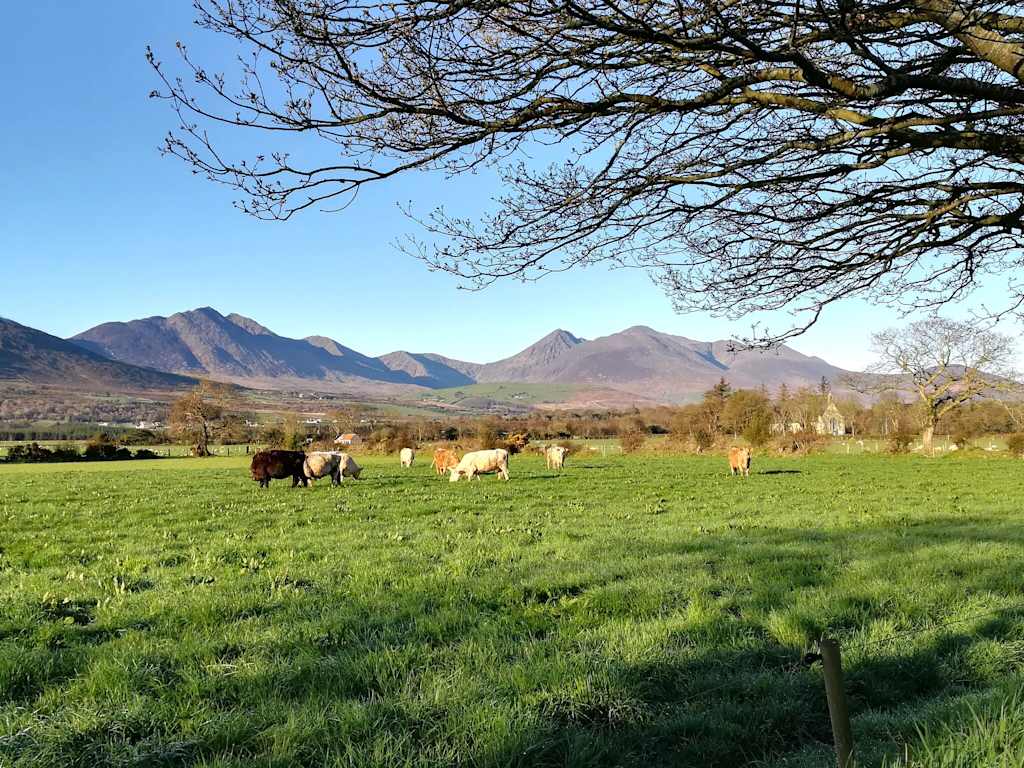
{"type": "Point", "coordinates": [349, 438]}
{"type": "Point", "coordinates": [831, 422]}
{"type": "Point", "coordinates": [312, 421]}
{"type": "Point", "coordinates": [790, 427]}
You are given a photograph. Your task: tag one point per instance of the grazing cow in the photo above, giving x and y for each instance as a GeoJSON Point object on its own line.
{"type": "Point", "coordinates": [554, 455]}
{"type": "Point", "coordinates": [739, 460]}
{"type": "Point", "coordinates": [348, 466]}
{"type": "Point", "coordinates": [481, 463]}
{"type": "Point", "coordinates": [323, 464]}
{"type": "Point", "coordinates": [444, 460]}
{"type": "Point", "coordinates": [277, 465]}
{"type": "Point", "coordinates": [407, 456]}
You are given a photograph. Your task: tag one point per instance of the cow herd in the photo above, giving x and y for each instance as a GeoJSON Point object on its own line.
{"type": "Point", "coordinates": [303, 467]}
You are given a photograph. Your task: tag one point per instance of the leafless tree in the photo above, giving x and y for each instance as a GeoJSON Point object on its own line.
{"type": "Point", "coordinates": [945, 363]}
{"type": "Point", "coordinates": [754, 154]}
{"type": "Point", "coordinates": [194, 416]}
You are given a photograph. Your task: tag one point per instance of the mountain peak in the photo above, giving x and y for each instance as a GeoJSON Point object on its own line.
{"type": "Point", "coordinates": [205, 311]}
{"type": "Point", "coordinates": [543, 352]}
{"type": "Point", "coordinates": [562, 335]}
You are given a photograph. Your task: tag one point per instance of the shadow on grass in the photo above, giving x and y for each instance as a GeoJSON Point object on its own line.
{"type": "Point", "coordinates": [531, 671]}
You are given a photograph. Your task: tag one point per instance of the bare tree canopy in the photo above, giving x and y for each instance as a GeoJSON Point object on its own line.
{"type": "Point", "coordinates": [196, 415]}
{"type": "Point", "coordinates": [945, 363]}
{"type": "Point", "coordinates": [757, 155]}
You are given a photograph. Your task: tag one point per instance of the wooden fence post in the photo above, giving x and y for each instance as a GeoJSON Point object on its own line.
{"type": "Point", "coordinates": [838, 712]}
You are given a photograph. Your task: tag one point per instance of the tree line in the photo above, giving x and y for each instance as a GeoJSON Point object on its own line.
{"type": "Point", "coordinates": [787, 417]}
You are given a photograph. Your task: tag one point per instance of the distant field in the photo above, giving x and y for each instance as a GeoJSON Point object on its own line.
{"type": "Point", "coordinates": [522, 394]}
{"type": "Point", "coordinates": [636, 611]}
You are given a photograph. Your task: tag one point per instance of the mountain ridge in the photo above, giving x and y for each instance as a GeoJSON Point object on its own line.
{"type": "Point", "coordinates": [28, 354]}
{"type": "Point", "coordinates": [638, 359]}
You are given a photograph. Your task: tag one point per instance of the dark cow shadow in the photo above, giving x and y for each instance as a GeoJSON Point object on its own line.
{"type": "Point", "coordinates": [780, 472]}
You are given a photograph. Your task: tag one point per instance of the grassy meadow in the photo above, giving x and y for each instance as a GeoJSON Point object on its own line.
{"type": "Point", "coordinates": [634, 611]}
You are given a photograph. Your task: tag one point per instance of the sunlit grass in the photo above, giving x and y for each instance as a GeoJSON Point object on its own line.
{"type": "Point", "coordinates": [628, 611]}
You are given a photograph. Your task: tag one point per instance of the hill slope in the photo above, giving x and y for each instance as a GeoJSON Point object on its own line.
{"type": "Point", "coordinates": [27, 354]}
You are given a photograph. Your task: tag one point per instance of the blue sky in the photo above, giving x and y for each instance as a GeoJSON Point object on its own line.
{"type": "Point", "coordinates": [96, 226]}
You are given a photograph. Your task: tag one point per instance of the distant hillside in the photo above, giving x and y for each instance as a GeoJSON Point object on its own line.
{"type": "Point", "coordinates": [656, 366]}
{"type": "Point", "coordinates": [431, 370]}
{"type": "Point", "coordinates": [37, 357]}
{"type": "Point", "coordinates": [638, 364]}
{"type": "Point", "coordinates": [233, 348]}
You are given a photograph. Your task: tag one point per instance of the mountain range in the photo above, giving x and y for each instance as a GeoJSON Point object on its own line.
{"type": "Point", "coordinates": [637, 362]}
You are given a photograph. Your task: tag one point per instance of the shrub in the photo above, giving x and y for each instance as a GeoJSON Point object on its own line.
{"type": "Point", "coordinates": [702, 440]}
{"type": "Point", "coordinates": [759, 430]}
{"type": "Point", "coordinates": [66, 452]}
{"type": "Point", "coordinates": [30, 453]}
{"type": "Point", "coordinates": [632, 441]}
{"type": "Point", "coordinates": [145, 453]}
{"type": "Point", "coordinates": [391, 439]}
{"type": "Point", "coordinates": [487, 437]}
{"type": "Point", "coordinates": [102, 451]}
{"type": "Point", "coordinates": [273, 437]}
{"type": "Point", "coordinates": [1015, 443]}
{"type": "Point", "coordinates": [516, 443]}
{"type": "Point", "coordinates": [900, 441]}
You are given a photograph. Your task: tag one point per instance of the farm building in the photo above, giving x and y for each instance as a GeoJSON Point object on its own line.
{"type": "Point", "coordinates": [349, 438]}
{"type": "Point", "coordinates": [831, 421]}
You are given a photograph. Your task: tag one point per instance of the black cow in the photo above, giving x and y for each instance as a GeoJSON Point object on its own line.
{"type": "Point", "coordinates": [278, 465]}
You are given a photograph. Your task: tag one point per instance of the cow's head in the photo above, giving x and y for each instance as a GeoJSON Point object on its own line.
{"type": "Point", "coordinates": [455, 475]}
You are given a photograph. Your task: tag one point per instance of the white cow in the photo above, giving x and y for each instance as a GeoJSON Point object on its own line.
{"type": "Point", "coordinates": [334, 464]}
{"type": "Point", "coordinates": [348, 465]}
{"type": "Point", "coordinates": [407, 456]}
{"type": "Point", "coordinates": [322, 464]}
{"type": "Point", "coordinates": [554, 455]}
{"type": "Point", "coordinates": [481, 463]}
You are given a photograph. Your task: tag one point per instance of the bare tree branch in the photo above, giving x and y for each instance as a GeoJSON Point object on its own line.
{"type": "Point", "coordinates": [756, 155]}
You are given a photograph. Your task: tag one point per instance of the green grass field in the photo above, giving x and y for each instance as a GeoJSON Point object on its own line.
{"type": "Point", "coordinates": [631, 611]}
